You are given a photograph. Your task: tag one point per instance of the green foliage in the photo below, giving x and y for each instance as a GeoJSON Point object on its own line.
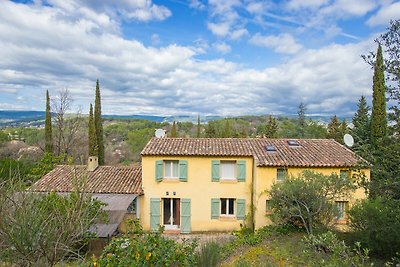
{"type": "Point", "coordinates": [361, 129]}
{"type": "Point", "coordinates": [92, 137]}
{"type": "Point", "coordinates": [376, 224]}
{"type": "Point", "coordinates": [11, 169]}
{"type": "Point", "coordinates": [198, 132]}
{"type": "Point", "coordinates": [173, 130]}
{"type": "Point", "coordinates": [270, 129]}
{"type": "Point", "coordinates": [137, 139]}
{"type": "Point", "coordinates": [147, 249]}
{"type": "Point", "coordinates": [209, 255]}
{"type": "Point", "coordinates": [378, 116]}
{"type": "Point", "coordinates": [308, 200]}
{"type": "Point", "coordinates": [3, 137]}
{"type": "Point", "coordinates": [334, 130]}
{"type": "Point", "coordinates": [43, 229]}
{"type": "Point", "coordinates": [301, 120]}
{"type": "Point", "coordinates": [45, 165]}
{"type": "Point", "coordinates": [98, 122]}
{"type": "Point", "coordinates": [335, 252]}
{"type": "Point", "coordinates": [47, 128]}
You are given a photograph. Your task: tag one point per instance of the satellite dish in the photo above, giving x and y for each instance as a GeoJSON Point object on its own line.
{"type": "Point", "coordinates": [348, 140]}
{"type": "Point", "coordinates": [160, 133]}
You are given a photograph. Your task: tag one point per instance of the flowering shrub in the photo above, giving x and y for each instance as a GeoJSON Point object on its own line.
{"type": "Point", "coordinates": [147, 249]}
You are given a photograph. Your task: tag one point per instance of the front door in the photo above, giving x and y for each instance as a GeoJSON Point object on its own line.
{"type": "Point", "coordinates": [171, 213]}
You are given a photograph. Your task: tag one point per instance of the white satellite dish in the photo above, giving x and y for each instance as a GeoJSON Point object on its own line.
{"type": "Point", "coordinates": [160, 133]}
{"type": "Point", "coordinates": [348, 140]}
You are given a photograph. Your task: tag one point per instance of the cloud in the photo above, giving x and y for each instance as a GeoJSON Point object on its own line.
{"type": "Point", "coordinates": [222, 47]}
{"type": "Point", "coordinates": [385, 14]}
{"type": "Point", "coordinates": [282, 43]}
{"type": "Point", "coordinates": [196, 4]}
{"type": "Point", "coordinates": [298, 4]}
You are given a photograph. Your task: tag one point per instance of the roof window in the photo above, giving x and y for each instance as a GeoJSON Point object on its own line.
{"type": "Point", "coordinates": [270, 148]}
{"type": "Point", "coordinates": [293, 143]}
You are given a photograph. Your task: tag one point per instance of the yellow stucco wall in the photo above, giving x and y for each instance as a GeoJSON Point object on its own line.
{"type": "Point", "coordinates": [199, 188]}
{"type": "Point", "coordinates": [266, 176]}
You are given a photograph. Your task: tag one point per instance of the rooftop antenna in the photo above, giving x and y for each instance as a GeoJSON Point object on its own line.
{"type": "Point", "coordinates": [160, 133]}
{"type": "Point", "coordinates": [348, 140]}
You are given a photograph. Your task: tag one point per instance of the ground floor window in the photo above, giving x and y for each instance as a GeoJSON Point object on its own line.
{"type": "Point", "coordinates": [341, 210]}
{"type": "Point", "coordinates": [227, 206]}
{"type": "Point", "coordinates": [171, 213]}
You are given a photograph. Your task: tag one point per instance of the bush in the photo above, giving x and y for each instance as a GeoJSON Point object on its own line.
{"type": "Point", "coordinates": [376, 224]}
{"type": "Point", "coordinates": [147, 249]}
{"type": "Point", "coordinates": [209, 255]}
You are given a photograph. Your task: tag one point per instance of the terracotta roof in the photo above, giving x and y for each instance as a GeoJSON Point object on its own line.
{"type": "Point", "coordinates": [308, 153]}
{"type": "Point", "coordinates": [105, 179]}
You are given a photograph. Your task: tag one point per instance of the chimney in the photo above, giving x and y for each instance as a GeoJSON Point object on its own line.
{"type": "Point", "coordinates": [93, 163]}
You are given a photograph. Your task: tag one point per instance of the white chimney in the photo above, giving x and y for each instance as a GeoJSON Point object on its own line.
{"type": "Point", "coordinates": [93, 163]}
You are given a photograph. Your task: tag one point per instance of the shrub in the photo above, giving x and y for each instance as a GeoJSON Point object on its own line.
{"type": "Point", "coordinates": [147, 249]}
{"type": "Point", "coordinates": [209, 255]}
{"type": "Point", "coordinates": [376, 224]}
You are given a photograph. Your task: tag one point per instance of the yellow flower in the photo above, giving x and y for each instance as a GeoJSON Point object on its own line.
{"type": "Point", "coordinates": [148, 256]}
{"type": "Point", "coordinates": [137, 255]}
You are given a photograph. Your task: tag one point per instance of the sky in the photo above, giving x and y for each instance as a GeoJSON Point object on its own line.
{"type": "Point", "coordinates": [189, 57]}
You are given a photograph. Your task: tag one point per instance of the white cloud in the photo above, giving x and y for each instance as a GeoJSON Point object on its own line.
{"type": "Point", "coordinates": [297, 4]}
{"type": "Point", "coordinates": [282, 43]}
{"type": "Point", "coordinates": [385, 14]}
{"type": "Point", "coordinates": [219, 29]}
{"type": "Point", "coordinates": [196, 4]}
{"type": "Point", "coordinates": [222, 47]}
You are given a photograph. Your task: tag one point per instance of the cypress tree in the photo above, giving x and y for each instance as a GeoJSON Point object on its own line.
{"type": "Point", "coordinates": [301, 120]}
{"type": "Point", "coordinates": [47, 128]}
{"type": "Point", "coordinates": [378, 116]}
{"type": "Point", "coordinates": [198, 126]}
{"type": "Point", "coordinates": [93, 149]}
{"type": "Point", "coordinates": [173, 130]}
{"type": "Point", "coordinates": [99, 125]}
{"type": "Point", "coordinates": [271, 129]}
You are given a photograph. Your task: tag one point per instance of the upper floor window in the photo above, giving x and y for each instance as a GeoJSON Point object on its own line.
{"type": "Point", "coordinates": [228, 170]}
{"type": "Point", "coordinates": [281, 174]}
{"type": "Point", "coordinates": [171, 168]}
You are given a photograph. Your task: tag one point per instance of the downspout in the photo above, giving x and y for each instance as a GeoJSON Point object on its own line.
{"type": "Point", "coordinates": [252, 207]}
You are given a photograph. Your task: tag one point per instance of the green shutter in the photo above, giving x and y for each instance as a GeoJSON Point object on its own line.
{"type": "Point", "coordinates": [241, 170]}
{"type": "Point", "coordinates": [185, 216]}
{"type": "Point", "coordinates": [155, 213]}
{"type": "Point", "coordinates": [159, 170]}
{"type": "Point", "coordinates": [215, 208]}
{"type": "Point", "coordinates": [215, 171]}
{"type": "Point", "coordinates": [240, 209]}
{"type": "Point", "coordinates": [183, 170]}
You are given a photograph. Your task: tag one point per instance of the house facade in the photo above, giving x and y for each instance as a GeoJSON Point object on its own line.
{"type": "Point", "coordinates": [218, 184]}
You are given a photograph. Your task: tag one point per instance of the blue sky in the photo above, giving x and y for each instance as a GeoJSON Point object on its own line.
{"type": "Point", "coordinates": [189, 57]}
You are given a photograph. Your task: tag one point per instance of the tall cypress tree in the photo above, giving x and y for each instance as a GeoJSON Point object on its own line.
{"type": "Point", "coordinates": [271, 129]}
{"type": "Point", "coordinates": [173, 130]}
{"type": "Point", "coordinates": [98, 122]}
{"type": "Point", "coordinates": [47, 128]}
{"type": "Point", "coordinates": [93, 148]}
{"type": "Point", "coordinates": [378, 116]}
{"type": "Point", "coordinates": [198, 126]}
{"type": "Point", "coordinates": [301, 120]}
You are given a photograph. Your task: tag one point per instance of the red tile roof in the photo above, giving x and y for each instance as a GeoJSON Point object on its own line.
{"type": "Point", "coordinates": [309, 152]}
{"type": "Point", "coordinates": [104, 179]}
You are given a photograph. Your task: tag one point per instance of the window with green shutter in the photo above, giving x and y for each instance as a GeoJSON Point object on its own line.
{"type": "Point", "coordinates": [215, 208]}
{"type": "Point", "coordinates": [159, 170]}
{"type": "Point", "coordinates": [183, 170]}
{"type": "Point", "coordinates": [240, 209]}
{"type": "Point", "coordinates": [215, 170]}
{"type": "Point", "coordinates": [155, 213]}
{"type": "Point", "coordinates": [185, 216]}
{"type": "Point", "coordinates": [241, 173]}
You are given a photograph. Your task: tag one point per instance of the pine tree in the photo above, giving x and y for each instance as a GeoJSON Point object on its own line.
{"type": "Point", "coordinates": [271, 129]}
{"type": "Point", "coordinates": [198, 126]}
{"type": "Point", "coordinates": [361, 130]}
{"type": "Point", "coordinates": [378, 116]}
{"type": "Point", "coordinates": [98, 122]}
{"type": "Point", "coordinates": [333, 130]}
{"type": "Point", "coordinates": [47, 128]}
{"type": "Point", "coordinates": [301, 120]}
{"type": "Point", "coordinates": [343, 129]}
{"type": "Point", "coordinates": [173, 130]}
{"type": "Point", "coordinates": [93, 148]}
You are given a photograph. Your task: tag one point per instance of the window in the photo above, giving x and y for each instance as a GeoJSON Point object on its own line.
{"type": "Point", "coordinates": [341, 210]}
{"type": "Point", "coordinates": [228, 170]}
{"type": "Point", "coordinates": [171, 168]}
{"type": "Point", "coordinates": [227, 206]}
{"type": "Point", "coordinates": [270, 148]}
{"type": "Point", "coordinates": [132, 207]}
{"type": "Point", "coordinates": [268, 206]}
{"type": "Point", "coordinates": [293, 143]}
{"type": "Point", "coordinates": [344, 174]}
{"type": "Point", "coordinates": [281, 174]}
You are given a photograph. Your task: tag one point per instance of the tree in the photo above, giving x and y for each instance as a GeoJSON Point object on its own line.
{"type": "Point", "coordinates": [271, 128]}
{"type": "Point", "coordinates": [378, 116]}
{"type": "Point", "coordinates": [301, 120]}
{"type": "Point", "coordinates": [333, 130]}
{"type": "Point", "coordinates": [343, 129]}
{"type": "Point", "coordinates": [173, 130]}
{"type": "Point", "coordinates": [42, 229]}
{"type": "Point", "coordinates": [361, 122]}
{"type": "Point", "coordinates": [47, 128]}
{"type": "Point", "coordinates": [98, 122]}
{"type": "Point", "coordinates": [93, 148]}
{"type": "Point", "coordinates": [308, 199]}
{"type": "Point", "coordinates": [198, 127]}
{"type": "Point", "coordinates": [227, 132]}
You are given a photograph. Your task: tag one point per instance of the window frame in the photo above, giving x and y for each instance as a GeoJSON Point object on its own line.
{"type": "Point", "coordinates": [268, 207]}
{"type": "Point", "coordinates": [226, 162]}
{"type": "Point", "coordinates": [341, 208]}
{"type": "Point", "coordinates": [171, 162]}
{"type": "Point", "coordinates": [278, 171]}
{"type": "Point", "coordinates": [228, 207]}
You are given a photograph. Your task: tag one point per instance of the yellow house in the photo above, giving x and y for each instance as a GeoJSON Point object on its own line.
{"type": "Point", "coordinates": [211, 184]}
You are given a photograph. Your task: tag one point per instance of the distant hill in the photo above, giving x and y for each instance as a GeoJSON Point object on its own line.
{"type": "Point", "coordinates": [19, 118]}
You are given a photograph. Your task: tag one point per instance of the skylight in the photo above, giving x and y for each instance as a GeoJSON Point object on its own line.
{"type": "Point", "coordinates": [270, 148]}
{"type": "Point", "coordinates": [293, 143]}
